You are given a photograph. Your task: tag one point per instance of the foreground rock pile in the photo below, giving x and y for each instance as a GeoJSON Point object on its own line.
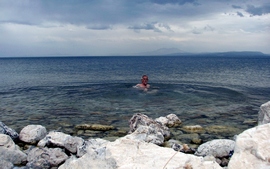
{"type": "Point", "coordinates": [34, 147]}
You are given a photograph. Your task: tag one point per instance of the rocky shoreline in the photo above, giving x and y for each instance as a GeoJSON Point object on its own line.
{"type": "Point", "coordinates": [148, 144]}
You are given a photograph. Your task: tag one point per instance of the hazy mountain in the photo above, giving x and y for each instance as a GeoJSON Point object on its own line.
{"type": "Point", "coordinates": [178, 52]}
{"type": "Point", "coordinates": [161, 52]}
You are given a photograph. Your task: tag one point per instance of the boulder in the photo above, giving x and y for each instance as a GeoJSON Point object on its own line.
{"type": "Point", "coordinates": [60, 139]}
{"type": "Point", "coordinates": [147, 134]}
{"type": "Point", "coordinates": [252, 149]}
{"type": "Point", "coordinates": [264, 114]}
{"type": "Point", "coordinates": [144, 128]}
{"type": "Point", "coordinates": [8, 131]}
{"type": "Point", "coordinates": [147, 155]}
{"type": "Point", "coordinates": [170, 120]}
{"type": "Point", "coordinates": [126, 153]}
{"type": "Point", "coordinates": [45, 157]}
{"type": "Point", "coordinates": [91, 143]}
{"type": "Point", "coordinates": [218, 148]}
{"type": "Point", "coordinates": [10, 152]}
{"type": "Point", "coordinates": [32, 133]}
{"type": "Point", "coordinates": [173, 120]}
{"type": "Point", "coordinates": [6, 164]}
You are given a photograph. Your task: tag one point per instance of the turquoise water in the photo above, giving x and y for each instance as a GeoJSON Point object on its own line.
{"type": "Point", "coordinates": [60, 93]}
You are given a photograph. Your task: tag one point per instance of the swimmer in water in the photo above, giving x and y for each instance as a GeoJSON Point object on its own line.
{"type": "Point", "coordinates": [144, 85]}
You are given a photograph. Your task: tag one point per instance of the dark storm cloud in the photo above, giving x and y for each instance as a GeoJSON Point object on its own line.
{"type": "Point", "coordinates": [260, 10]}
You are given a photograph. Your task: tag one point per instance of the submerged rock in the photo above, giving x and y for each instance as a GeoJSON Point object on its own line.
{"type": "Point", "coordinates": [252, 149]}
{"type": "Point", "coordinates": [32, 133]}
{"type": "Point", "coordinates": [264, 114]}
{"type": "Point", "coordinates": [193, 129]}
{"type": "Point", "coordinates": [97, 127]}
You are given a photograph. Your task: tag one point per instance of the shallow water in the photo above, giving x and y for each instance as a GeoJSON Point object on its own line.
{"type": "Point", "coordinates": [60, 93]}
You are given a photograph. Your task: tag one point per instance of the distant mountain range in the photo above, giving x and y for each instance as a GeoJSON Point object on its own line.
{"type": "Point", "coordinates": [178, 52]}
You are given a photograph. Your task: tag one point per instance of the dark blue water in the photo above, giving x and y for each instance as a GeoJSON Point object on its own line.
{"type": "Point", "coordinates": [64, 92]}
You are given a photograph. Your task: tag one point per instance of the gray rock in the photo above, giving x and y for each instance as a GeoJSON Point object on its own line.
{"type": "Point", "coordinates": [62, 140]}
{"type": "Point", "coordinates": [6, 164]}
{"type": "Point", "coordinates": [32, 133]}
{"type": "Point", "coordinates": [8, 131]}
{"type": "Point", "coordinates": [90, 144]}
{"type": "Point", "coordinates": [218, 148]}
{"type": "Point", "coordinates": [147, 134]}
{"type": "Point", "coordinates": [170, 120]}
{"type": "Point", "coordinates": [11, 152]}
{"type": "Point", "coordinates": [264, 114]}
{"type": "Point", "coordinates": [144, 128]}
{"type": "Point", "coordinates": [173, 120]}
{"type": "Point", "coordinates": [46, 157]}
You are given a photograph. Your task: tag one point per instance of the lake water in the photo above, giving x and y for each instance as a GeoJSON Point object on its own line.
{"type": "Point", "coordinates": [62, 92]}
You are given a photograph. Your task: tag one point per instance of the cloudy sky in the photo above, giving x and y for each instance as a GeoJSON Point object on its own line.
{"type": "Point", "coordinates": [112, 27]}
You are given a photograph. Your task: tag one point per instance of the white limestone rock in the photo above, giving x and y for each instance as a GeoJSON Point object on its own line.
{"type": "Point", "coordinates": [32, 133]}
{"type": "Point", "coordinates": [252, 149]}
{"type": "Point", "coordinates": [147, 155]}
{"type": "Point", "coordinates": [264, 114]}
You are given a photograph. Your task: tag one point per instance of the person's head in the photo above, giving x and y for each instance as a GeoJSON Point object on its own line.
{"type": "Point", "coordinates": [144, 79]}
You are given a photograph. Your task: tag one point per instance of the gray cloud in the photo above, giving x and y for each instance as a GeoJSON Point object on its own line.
{"type": "Point", "coordinates": [145, 26]}
{"type": "Point", "coordinates": [240, 14]}
{"type": "Point", "coordinates": [173, 21]}
{"type": "Point", "coordinates": [99, 27]}
{"type": "Point", "coordinates": [236, 7]}
{"type": "Point", "coordinates": [261, 10]}
{"type": "Point", "coordinates": [180, 2]}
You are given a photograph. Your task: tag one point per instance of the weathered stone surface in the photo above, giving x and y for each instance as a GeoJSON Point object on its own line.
{"type": "Point", "coordinates": [125, 153]}
{"type": "Point", "coordinates": [218, 148]}
{"type": "Point", "coordinates": [147, 134]}
{"type": "Point", "coordinates": [91, 143]}
{"type": "Point", "coordinates": [62, 140]}
{"type": "Point", "coordinates": [10, 152]}
{"type": "Point", "coordinates": [173, 120]}
{"type": "Point", "coordinates": [264, 114]}
{"type": "Point", "coordinates": [147, 155]}
{"type": "Point", "coordinates": [8, 131]}
{"type": "Point", "coordinates": [6, 164]}
{"type": "Point", "coordinates": [170, 120]}
{"type": "Point", "coordinates": [47, 157]}
{"type": "Point", "coordinates": [32, 133]}
{"type": "Point", "coordinates": [252, 149]}
{"type": "Point", "coordinates": [96, 127]}
{"type": "Point", "coordinates": [144, 128]}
